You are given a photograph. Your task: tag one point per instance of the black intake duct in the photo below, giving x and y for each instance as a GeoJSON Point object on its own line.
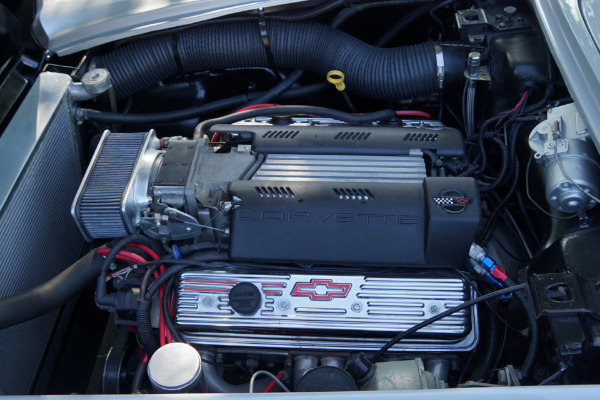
{"type": "Point", "coordinates": [378, 73]}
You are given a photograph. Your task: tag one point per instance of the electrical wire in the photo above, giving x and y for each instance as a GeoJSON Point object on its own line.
{"type": "Point", "coordinates": [402, 24]}
{"type": "Point", "coordinates": [555, 376]}
{"type": "Point", "coordinates": [402, 113]}
{"type": "Point", "coordinates": [383, 115]}
{"type": "Point", "coordinates": [562, 169]}
{"type": "Point", "coordinates": [487, 303]}
{"type": "Point", "coordinates": [437, 19]}
{"type": "Point", "coordinates": [273, 382]}
{"type": "Point", "coordinates": [444, 314]}
{"type": "Point", "coordinates": [532, 231]}
{"type": "Point", "coordinates": [86, 114]}
{"type": "Point", "coordinates": [519, 233]}
{"type": "Point", "coordinates": [515, 108]}
{"type": "Point", "coordinates": [482, 237]}
{"type": "Point", "coordinates": [165, 310]}
{"type": "Point", "coordinates": [165, 334]}
{"type": "Point", "coordinates": [270, 375]}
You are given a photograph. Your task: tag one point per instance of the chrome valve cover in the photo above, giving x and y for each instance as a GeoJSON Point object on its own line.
{"type": "Point", "coordinates": [340, 312]}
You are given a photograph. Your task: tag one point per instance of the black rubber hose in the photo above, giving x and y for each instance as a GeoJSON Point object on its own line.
{"type": "Point", "coordinates": [402, 24]}
{"type": "Point", "coordinates": [87, 114]}
{"type": "Point", "coordinates": [487, 352]}
{"type": "Point", "coordinates": [165, 310]}
{"type": "Point", "coordinates": [138, 377]}
{"type": "Point", "coordinates": [50, 295]}
{"type": "Point", "coordinates": [387, 74]}
{"type": "Point", "coordinates": [513, 161]}
{"type": "Point", "coordinates": [529, 362]}
{"type": "Point", "coordinates": [104, 301]}
{"type": "Point", "coordinates": [503, 171]}
{"type": "Point", "coordinates": [344, 15]}
{"type": "Point", "coordinates": [383, 115]}
{"type": "Point", "coordinates": [144, 325]}
{"type": "Point", "coordinates": [249, 173]}
{"type": "Point", "coordinates": [277, 90]}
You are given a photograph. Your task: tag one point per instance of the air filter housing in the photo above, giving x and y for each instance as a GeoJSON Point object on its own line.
{"type": "Point", "coordinates": [116, 184]}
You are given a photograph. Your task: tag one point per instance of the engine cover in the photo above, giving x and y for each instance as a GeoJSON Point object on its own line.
{"type": "Point", "coordinates": [362, 223]}
{"type": "Point", "coordinates": [303, 194]}
{"type": "Point", "coordinates": [326, 312]}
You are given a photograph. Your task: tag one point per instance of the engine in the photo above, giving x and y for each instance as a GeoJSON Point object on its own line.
{"type": "Point", "coordinates": [310, 192]}
{"type": "Point", "coordinates": [283, 200]}
{"type": "Point", "coordinates": [339, 194]}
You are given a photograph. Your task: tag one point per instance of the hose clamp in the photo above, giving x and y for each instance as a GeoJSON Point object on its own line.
{"type": "Point", "coordinates": [439, 61]}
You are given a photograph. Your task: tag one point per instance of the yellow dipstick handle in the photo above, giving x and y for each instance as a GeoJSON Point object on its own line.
{"type": "Point", "coordinates": [336, 78]}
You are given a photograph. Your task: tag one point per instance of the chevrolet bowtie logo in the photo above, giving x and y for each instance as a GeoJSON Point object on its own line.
{"type": "Point", "coordinates": [321, 289]}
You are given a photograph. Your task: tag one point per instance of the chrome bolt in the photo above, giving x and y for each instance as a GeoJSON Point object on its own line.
{"type": "Point", "coordinates": [283, 305]}
{"type": "Point", "coordinates": [208, 301]}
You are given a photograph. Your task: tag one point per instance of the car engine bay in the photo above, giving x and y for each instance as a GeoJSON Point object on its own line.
{"type": "Point", "coordinates": [321, 196]}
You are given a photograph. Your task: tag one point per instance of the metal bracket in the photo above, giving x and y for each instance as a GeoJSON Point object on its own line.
{"type": "Point", "coordinates": [483, 75]}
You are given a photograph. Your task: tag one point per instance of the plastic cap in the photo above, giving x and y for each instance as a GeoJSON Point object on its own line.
{"type": "Point", "coordinates": [336, 78]}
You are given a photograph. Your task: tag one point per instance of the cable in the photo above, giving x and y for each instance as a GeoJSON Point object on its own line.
{"type": "Point", "coordinates": [255, 106]}
{"type": "Point", "coordinates": [557, 158]}
{"type": "Point", "coordinates": [347, 13]}
{"type": "Point", "coordinates": [383, 115]}
{"type": "Point", "coordinates": [529, 362]}
{"type": "Point", "coordinates": [515, 108]}
{"type": "Point", "coordinates": [144, 305]}
{"type": "Point", "coordinates": [86, 114]}
{"type": "Point", "coordinates": [273, 382]}
{"type": "Point", "coordinates": [512, 154]}
{"type": "Point", "coordinates": [165, 311]}
{"type": "Point", "coordinates": [270, 375]}
{"type": "Point", "coordinates": [555, 376]}
{"type": "Point", "coordinates": [442, 315]}
{"type": "Point", "coordinates": [402, 24]}
{"type": "Point", "coordinates": [525, 215]}
{"type": "Point", "coordinates": [309, 14]}
{"type": "Point", "coordinates": [494, 311]}
{"type": "Point", "coordinates": [487, 350]}
{"type": "Point", "coordinates": [484, 233]}
{"type": "Point", "coordinates": [123, 256]}
{"type": "Point", "coordinates": [413, 113]}
{"type": "Point", "coordinates": [277, 90]}
{"type": "Point", "coordinates": [503, 171]}
{"type": "Point", "coordinates": [436, 19]}
{"type": "Point", "coordinates": [138, 377]}
{"type": "Point", "coordinates": [465, 367]}
{"type": "Point", "coordinates": [519, 233]}
{"type": "Point", "coordinates": [103, 300]}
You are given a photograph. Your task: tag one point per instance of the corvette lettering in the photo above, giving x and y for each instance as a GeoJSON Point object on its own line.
{"type": "Point", "coordinates": [332, 218]}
